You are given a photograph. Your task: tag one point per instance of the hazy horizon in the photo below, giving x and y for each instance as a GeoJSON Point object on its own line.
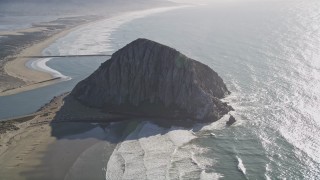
{"type": "Point", "coordinates": [71, 7]}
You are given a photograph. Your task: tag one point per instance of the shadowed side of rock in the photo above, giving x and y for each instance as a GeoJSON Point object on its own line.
{"type": "Point", "coordinates": [148, 78]}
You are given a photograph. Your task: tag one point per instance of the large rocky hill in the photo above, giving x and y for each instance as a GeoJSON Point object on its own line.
{"type": "Point", "coordinates": [146, 78]}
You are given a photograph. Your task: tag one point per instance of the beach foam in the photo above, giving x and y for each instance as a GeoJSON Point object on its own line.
{"type": "Point", "coordinates": [153, 152]}
{"type": "Point", "coordinates": [95, 37]}
{"type": "Point", "coordinates": [41, 65]}
{"type": "Point", "coordinates": [212, 176]}
{"type": "Point", "coordinates": [241, 166]}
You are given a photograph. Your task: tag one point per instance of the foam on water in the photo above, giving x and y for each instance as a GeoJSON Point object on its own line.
{"type": "Point", "coordinates": [95, 37]}
{"type": "Point", "coordinates": [41, 65]}
{"type": "Point", "coordinates": [272, 70]}
{"type": "Point", "coordinates": [241, 166]}
{"type": "Point", "coordinates": [153, 152]}
{"type": "Point", "coordinates": [212, 176]}
{"type": "Point", "coordinates": [90, 39]}
{"type": "Point", "coordinates": [268, 169]}
{"type": "Point", "coordinates": [220, 124]}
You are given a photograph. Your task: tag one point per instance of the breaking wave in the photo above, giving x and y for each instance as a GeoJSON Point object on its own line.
{"type": "Point", "coordinates": [153, 152]}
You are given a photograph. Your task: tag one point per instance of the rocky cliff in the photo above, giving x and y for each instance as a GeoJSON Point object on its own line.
{"type": "Point", "coordinates": [150, 79]}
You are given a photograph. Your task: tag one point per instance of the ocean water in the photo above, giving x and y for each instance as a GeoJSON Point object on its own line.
{"type": "Point", "coordinates": [72, 70]}
{"type": "Point", "coordinates": [268, 54]}
{"type": "Point", "coordinates": [92, 39]}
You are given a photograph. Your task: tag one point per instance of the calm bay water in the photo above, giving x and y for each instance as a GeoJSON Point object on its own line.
{"type": "Point", "coordinates": [30, 101]}
{"type": "Point", "coordinates": [268, 54]}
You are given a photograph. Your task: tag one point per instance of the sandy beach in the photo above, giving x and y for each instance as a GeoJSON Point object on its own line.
{"type": "Point", "coordinates": [17, 67]}
{"type": "Point", "coordinates": [26, 141]}
{"type": "Point", "coordinates": [45, 146]}
{"type": "Point", "coordinates": [15, 77]}
{"type": "Point", "coordinates": [32, 147]}
{"type": "Point", "coordinates": [64, 139]}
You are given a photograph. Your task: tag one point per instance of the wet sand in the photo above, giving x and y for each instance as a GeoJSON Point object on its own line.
{"type": "Point", "coordinates": [16, 66]}
{"type": "Point", "coordinates": [59, 141]}
{"type": "Point", "coordinates": [22, 147]}
{"type": "Point", "coordinates": [15, 77]}
{"type": "Point", "coordinates": [44, 147]}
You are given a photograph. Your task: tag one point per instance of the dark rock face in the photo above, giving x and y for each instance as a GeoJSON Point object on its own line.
{"type": "Point", "coordinates": [231, 121]}
{"type": "Point", "coordinates": [150, 79]}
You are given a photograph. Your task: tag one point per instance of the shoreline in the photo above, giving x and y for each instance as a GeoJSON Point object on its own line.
{"type": "Point", "coordinates": [12, 85]}
{"type": "Point", "coordinates": [36, 147]}
{"type": "Point", "coordinates": [33, 145]}
{"type": "Point", "coordinates": [46, 145]}
{"type": "Point", "coordinates": [34, 78]}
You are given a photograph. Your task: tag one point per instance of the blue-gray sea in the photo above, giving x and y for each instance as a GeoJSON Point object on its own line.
{"type": "Point", "coordinates": [268, 54]}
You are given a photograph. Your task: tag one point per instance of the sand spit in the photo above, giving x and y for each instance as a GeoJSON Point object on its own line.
{"type": "Point", "coordinates": [15, 77]}
{"type": "Point", "coordinates": [31, 42]}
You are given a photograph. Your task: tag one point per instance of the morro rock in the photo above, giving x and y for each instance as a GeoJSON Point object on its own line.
{"type": "Point", "coordinates": [146, 78]}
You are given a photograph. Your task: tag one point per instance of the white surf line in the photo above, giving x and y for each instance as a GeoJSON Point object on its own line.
{"type": "Point", "coordinates": [41, 65]}
{"type": "Point", "coordinates": [192, 2]}
{"type": "Point", "coordinates": [241, 166]}
{"type": "Point", "coordinates": [93, 38]}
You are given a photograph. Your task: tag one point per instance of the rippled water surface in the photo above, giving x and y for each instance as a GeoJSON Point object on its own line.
{"type": "Point", "coordinates": [268, 54]}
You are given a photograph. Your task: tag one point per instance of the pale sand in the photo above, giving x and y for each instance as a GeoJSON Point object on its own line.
{"type": "Point", "coordinates": [40, 150]}
{"type": "Point", "coordinates": [25, 152]}
{"type": "Point", "coordinates": [17, 67]}
{"type": "Point", "coordinates": [36, 154]}
{"type": "Point", "coordinates": [22, 31]}
{"type": "Point", "coordinates": [22, 149]}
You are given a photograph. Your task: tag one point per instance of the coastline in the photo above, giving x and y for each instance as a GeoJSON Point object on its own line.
{"type": "Point", "coordinates": [271, 72]}
{"type": "Point", "coordinates": [65, 137]}
{"type": "Point", "coordinates": [37, 148]}
{"type": "Point", "coordinates": [43, 95]}
{"type": "Point", "coordinates": [27, 136]}
{"type": "Point", "coordinates": [33, 78]}
{"type": "Point", "coordinates": [33, 145]}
